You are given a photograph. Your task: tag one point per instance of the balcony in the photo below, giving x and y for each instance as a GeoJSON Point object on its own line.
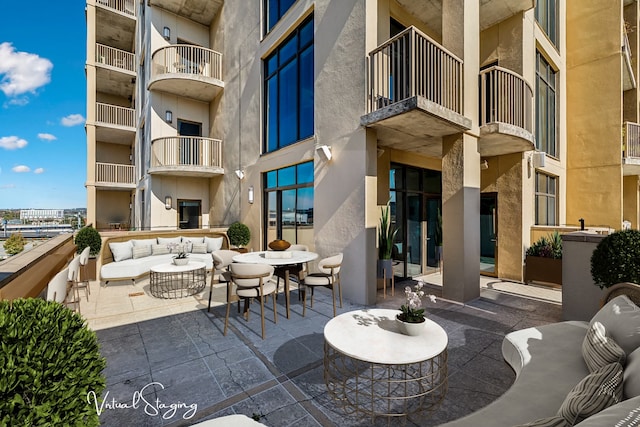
{"type": "Point", "coordinates": [506, 113]}
{"type": "Point", "coordinates": [628, 78]}
{"type": "Point", "coordinates": [113, 176]}
{"type": "Point", "coordinates": [116, 23]}
{"type": "Point", "coordinates": [115, 71]}
{"type": "Point", "coordinates": [414, 94]}
{"type": "Point", "coordinates": [201, 11]}
{"type": "Point", "coordinates": [631, 149]}
{"type": "Point", "coordinates": [186, 156]}
{"type": "Point", "coordinates": [185, 70]}
{"type": "Point", "coordinates": [115, 124]}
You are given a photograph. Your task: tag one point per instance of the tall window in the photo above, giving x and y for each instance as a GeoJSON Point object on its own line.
{"type": "Point", "coordinates": [289, 90]}
{"type": "Point", "coordinates": [289, 204]}
{"type": "Point", "coordinates": [547, 16]}
{"type": "Point", "coordinates": [545, 106]}
{"type": "Point", "coordinates": [275, 9]}
{"type": "Point", "coordinates": [546, 199]}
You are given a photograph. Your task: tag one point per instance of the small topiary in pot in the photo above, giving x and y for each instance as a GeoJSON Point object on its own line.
{"type": "Point", "coordinates": [239, 234]}
{"type": "Point", "coordinates": [617, 259]}
{"type": "Point", "coordinates": [49, 363]}
{"type": "Point", "coordinates": [89, 236]}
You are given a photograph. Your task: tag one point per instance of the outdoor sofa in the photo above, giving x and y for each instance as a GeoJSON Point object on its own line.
{"type": "Point", "coordinates": [129, 256]}
{"type": "Point", "coordinates": [549, 362]}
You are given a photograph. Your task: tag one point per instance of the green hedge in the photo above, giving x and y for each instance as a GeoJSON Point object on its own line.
{"type": "Point", "coordinates": [617, 259]}
{"type": "Point", "coordinates": [50, 361]}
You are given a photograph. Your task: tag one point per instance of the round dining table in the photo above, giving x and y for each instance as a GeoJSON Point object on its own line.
{"type": "Point", "coordinates": [285, 263]}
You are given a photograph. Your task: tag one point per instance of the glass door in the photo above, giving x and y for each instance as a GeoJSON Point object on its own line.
{"type": "Point", "coordinates": [488, 233]}
{"type": "Point", "coordinates": [189, 212]}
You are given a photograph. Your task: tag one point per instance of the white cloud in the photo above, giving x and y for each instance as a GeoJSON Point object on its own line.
{"type": "Point", "coordinates": [12, 142]}
{"type": "Point", "coordinates": [38, 171]}
{"type": "Point", "coordinates": [20, 102]}
{"type": "Point", "coordinates": [6, 186]}
{"type": "Point", "coordinates": [21, 169]}
{"type": "Point", "coordinates": [47, 136]}
{"type": "Point", "coordinates": [22, 72]}
{"type": "Point", "coordinates": [72, 120]}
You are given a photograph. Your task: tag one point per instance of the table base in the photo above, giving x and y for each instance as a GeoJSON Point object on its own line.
{"type": "Point", "coordinates": [177, 284]}
{"type": "Point", "coordinates": [391, 391]}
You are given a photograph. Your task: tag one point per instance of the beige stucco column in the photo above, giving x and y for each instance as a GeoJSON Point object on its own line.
{"type": "Point", "coordinates": [90, 126]}
{"type": "Point", "coordinates": [461, 162]}
{"type": "Point", "coordinates": [631, 197]}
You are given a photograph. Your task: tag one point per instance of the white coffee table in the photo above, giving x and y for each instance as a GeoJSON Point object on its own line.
{"type": "Point", "coordinates": [373, 369]}
{"type": "Point", "coordinates": [176, 281]}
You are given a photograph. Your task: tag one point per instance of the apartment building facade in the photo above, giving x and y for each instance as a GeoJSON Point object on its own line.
{"type": "Point", "coordinates": [301, 118]}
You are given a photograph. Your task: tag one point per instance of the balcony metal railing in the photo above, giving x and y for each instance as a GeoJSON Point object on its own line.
{"type": "Point", "coordinates": [186, 151]}
{"type": "Point", "coordinates": [122, 59]}
{"type": "Point", "coordinates": [187, 59]}
{"type": "Point", "coordinates": [506, 98]}
{"type": "Point", "coordinates": [127, 7]}
{"type": "Point", "coordinates": [115, 115]}
{"type": "Point", "coordinates": [115, 173]}
{"type": "Point", "coordinates": [412, 64]}
{"type": "Point", "coordinates": [631, 143]}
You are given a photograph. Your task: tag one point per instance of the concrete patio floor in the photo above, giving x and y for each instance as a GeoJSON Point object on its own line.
{"type": "Point", "coordinates": [172, 352]}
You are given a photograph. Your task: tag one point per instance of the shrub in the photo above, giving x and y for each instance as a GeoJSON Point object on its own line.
{"type": "Point", "coordinates": [49, 362]}
{"type": "Point", "coordinates": [386, 234]}
{"type": "Point", "coordinates": [549, 246]}
{"type": "Point", "coordinates": [239, 234]}
{"type": "Point", "coordinates": [89, 236]}
{"type": "Point", "coordinates": [617, 259]}
{"type": "Point", "coordinates": [14, 244]}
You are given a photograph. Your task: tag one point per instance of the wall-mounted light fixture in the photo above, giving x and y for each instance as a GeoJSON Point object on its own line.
{"type": "Point", "coordinates": [239, 173]}
{"type": "Point", "coordinates": [484, 165]}
{"type": "Point", "coordinates": [325, 152]}
{"type": "Point", "coordinates": [166, 33]}
{"type": "Point", "coordinates": [168, 116]}
{"type": "Point", "coordinates": [251, 194]}
{"type": "Point", "coordinates": [167, 202]}
{"type": "Point", "coordinates": [537, 159]}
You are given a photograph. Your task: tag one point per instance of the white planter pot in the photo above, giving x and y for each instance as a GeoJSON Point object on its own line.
{"type": "Point", "coordinates": [412, 329]}
{"type": "Point", "coordinates": [181, 261]}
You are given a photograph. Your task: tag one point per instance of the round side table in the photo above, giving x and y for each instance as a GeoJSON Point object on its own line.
{"type": "Point", "coordinates": [177, 281]}
{"type": "Point", "coordinates": [373, 369]}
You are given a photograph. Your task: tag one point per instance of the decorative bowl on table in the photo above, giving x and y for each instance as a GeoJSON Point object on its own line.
{"type": "Point", "coordinates": [279, 245]}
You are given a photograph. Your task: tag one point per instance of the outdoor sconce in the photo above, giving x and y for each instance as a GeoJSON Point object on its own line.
{"type": "Point", "coordinates": [484, 165]}
{"type": "Point", "coordinates": [251, 194]}
{"type": "Point", "coordinates": [168, 116]}
{"type": "Point", "coordinates": [240, 173]}
{"type": "Point", "coordinates": [166, 33]}
{"type": "Point", "coordinates": [167, 202]}
{"type": "Point", "coordinates": [324, 151]}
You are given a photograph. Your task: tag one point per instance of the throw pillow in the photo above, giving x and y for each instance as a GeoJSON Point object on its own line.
{"type": "Point", "coordinates": [213, 243]}
{"type": "Point", "coordinates": [193, 239]}
{"type": "Point", "coordinates": [632, 375]}
{"type": "Point", "coordinates": [599, 349]}
{"type": "Point", "coordinates": [556, 421]}
{"type": "Point", "coordinates": [141, 251]}
{"type": "Point", "coordinates": [159, 250]}
{"type": "Point", "coordinates": [621, 320]}
{"type": "Point", "coordinates": [169, 240]}
{"type": "Point", "coordinates": [143, 242]}
{"type": "Point", "coordinates": [121, 250]}
{"type": "Point", "coordinates": [199, 248]}
{"type": "Point", "coordinates": [595, 392]}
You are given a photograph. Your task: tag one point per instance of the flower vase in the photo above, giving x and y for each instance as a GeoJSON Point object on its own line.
{"type": "Point", "coordinates": [409, 328]}
{"type": "Point", "coordinates": [181, 261]}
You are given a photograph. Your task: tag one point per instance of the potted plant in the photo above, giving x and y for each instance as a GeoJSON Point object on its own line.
{"type": "Point", "coordinates": [411, 317]}
{"type": "Point", "coordinates": [50, 365]}
{"type": "Point", "coordinates": [181, 258]}
{"type": "Point", "coordinates": [239, 236]}
{"type": "Point", "coordinates": [616, 259]}
{"type": "Point", "coordinates": [386, 236]}
{"type": "Point", "coordinates": [89, 236]}
{"type": "Point", "coordinates": [543, 260]}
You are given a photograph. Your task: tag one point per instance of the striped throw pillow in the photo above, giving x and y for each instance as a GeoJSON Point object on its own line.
{"type": "Point", "coordinates": [141, 251]}
{"type": "Point", "coordinates": [159, 249]}
{"type": "Point", "coordinates": [599, 349]}
{"type": "Point", "coordinates": [595, 392]}
{"type": "Point", "coordinates": [199, 248]}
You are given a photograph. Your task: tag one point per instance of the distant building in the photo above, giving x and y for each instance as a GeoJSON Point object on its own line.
{"type": "Point", "coordinates": [41, 214]}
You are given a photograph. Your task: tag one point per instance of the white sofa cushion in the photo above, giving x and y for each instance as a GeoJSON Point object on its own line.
{"type": "Point", "coordinates": [621, 319]}
{"type": "Point", "coordinates": [169, 240]}
{"type": "Point", "coordinates": [624, 414]}
{"type": "Point", "coordinates": [143, 242]}
{"type": "Point", "coordinates": [121, 250]}
{"type": "Point", "coordinates": [632, 375]}
{"type": "Point", "coordinates": [556, 421]}
{"type": "Point", "coordinates": [599, 349]}
{"type": "Point", "coordinates": [213, 243]}
{"type": "Point", "coordinates": [193, 239]}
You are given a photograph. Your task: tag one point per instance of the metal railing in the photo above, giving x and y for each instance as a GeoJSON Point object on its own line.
{"type": "Point", "coordinates": [186, 151]}
{"type": "Point", "coordinates": [631, 143]}
{"type": "Point", "coordinates": [115, 115]}
{"type": "Point", "coordinates": [506, 98]}
{"type": "Point", "coordinates": [115, 173]}
{"type": "Point", "coordinates": [187, 59]}
{"type": "Point", "coordinates": [413, 64]}
{"type": "Point", "coordinates": [127, 7]}
{"type": "Point", "coordinates": [108, 55]}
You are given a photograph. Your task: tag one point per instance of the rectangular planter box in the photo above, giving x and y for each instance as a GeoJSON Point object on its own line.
{"type": "Point", "coordinates": [543, 270]}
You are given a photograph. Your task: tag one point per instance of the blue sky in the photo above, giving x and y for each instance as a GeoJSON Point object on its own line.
{"type": "Point", "coordinates": [42, 105]}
